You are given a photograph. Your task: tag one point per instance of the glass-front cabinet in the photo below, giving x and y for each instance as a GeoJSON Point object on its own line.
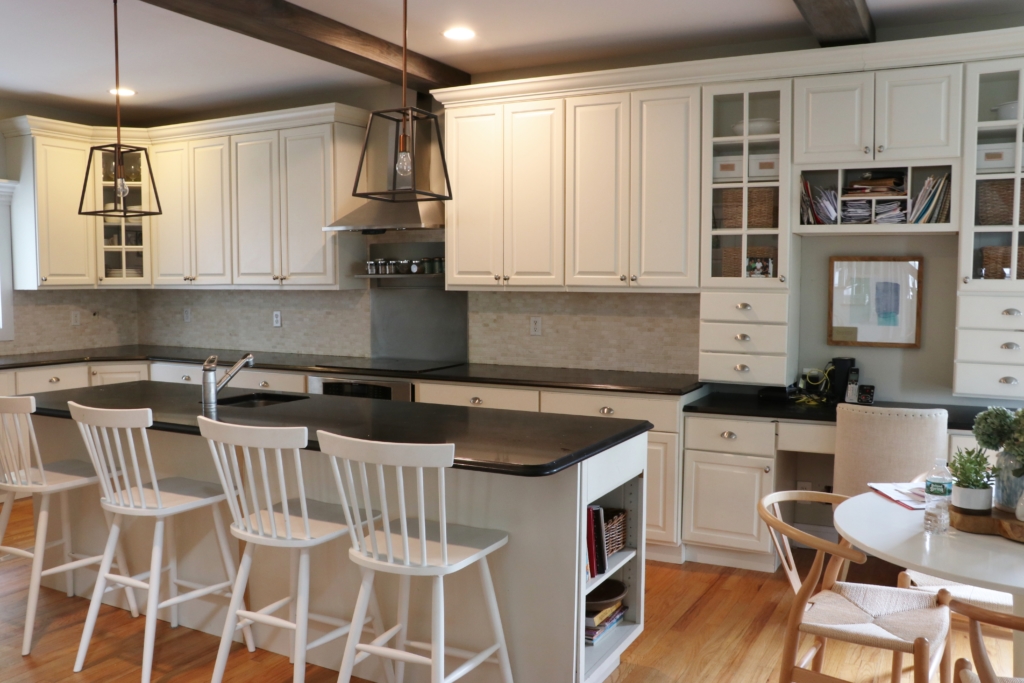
{"type": "Point", "coordinates": [123, 249]}
{"type": "Point", "coordinates": [744, 226]}
{"type": "Point", "coordinates": [992, 234]}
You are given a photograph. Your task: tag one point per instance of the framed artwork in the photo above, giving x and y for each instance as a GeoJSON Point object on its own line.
{"type": "Point", "coordinates": [875, 301]}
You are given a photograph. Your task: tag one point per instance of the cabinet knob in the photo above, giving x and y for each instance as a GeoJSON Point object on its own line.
{"type": "Point", "coordinates": [43, 279]}
{"type": "Point", "coordinates": [506, 278]}
{"type": "Point", "coordinates": [276, 278]}
{"type": "Point", "coordinates": [185, 279]}
{"type": "Point", "coordinates": [54, 380]}
{"type": "Point", "coordinates": [94, 373]}
{"type": "Point", "coordinates": [607, 411]}
{"type": "Point", "coordinates": [741, 368]}
{"type": "Point", "coordinates": [744, 307]}
{"type": "Point", "coordinates": [477, 401]}
{"type": "Point", "coordinates": [867, 150]}
{"type": "Point", "coordinates": [729, 435]}
{"type": "Point", "coordinates": [742, 337]}
{"type": "Point", "coordinates": [1011, 311]}
{"type": "Point", "coordinates": [101, 279]}
{"type": "Point", "coordinates": [264, 384]}
{"type": "Point", "coordinates": [1011, 346]}
{"type": "Point", "coordinates": [881, 148]}
{"type": "Point", "coordinates": [632, 278]}
{"type": "Point", "coordinates": [966, 279]}
{"type": "Point", "coordinates": [497, 277]}
{"type": "Point", "coordinates": [767, 469]}
{"type": "Point", "coordinates": [782, 278]}
{"type": "Point", "coordinates": [622, 278]}
{"type": "Point", "coordinates": [1008, 380]}
{"type": "Point", "coordinates": [186, 378]}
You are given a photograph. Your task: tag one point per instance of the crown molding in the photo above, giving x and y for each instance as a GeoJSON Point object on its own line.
{"type": "Point", "coordinates": [964, 47]}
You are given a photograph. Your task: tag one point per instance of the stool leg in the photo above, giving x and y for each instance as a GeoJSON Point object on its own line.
{"type": "Point", "coordinates": [153, 600]}
{"type": "Point", "coordinates": [348, 661]}
{"type": "Point", "coordinates": [378, 628]}
{"type": "Point", "coordinates": [230, 624]}
{"type": "Point", "coordinates": [5, 514]}
{"type": "Point", "coordinates": [122, 569]}
{"type": "Point", "coordinates": [38, 554]}
{"type": "Point", "coordinates": [403, 619]}
{"type": "Point", "coordinates": [65, 526]}
{"type": "Point", "coordinates": [172, 573]}
{"type": "Point", "coordinates": [301, 617]}
{"type": "Point", "coordinates": [229, 568]}
{"type": "Point", "coordinates": [293, 585]}
{"type": "Point", "coordinates": [492, 610]}
{"type": "Point", "coordinates": [97, 591]}
{"type": "Point", "coordinates": [437, 631]}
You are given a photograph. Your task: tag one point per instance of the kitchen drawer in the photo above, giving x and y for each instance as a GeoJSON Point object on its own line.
{"type": "Point", "coordinates": [807, 438]}
{"type": "Point", "coordinates": [118, 373]}
{"type": "Point", "coordinates": [180, 373]}
{"type": "Point", "coordinates": [52, 378]}
{"type": "Point", "coordinates": [743, 338]}
{"type": "Point", "coordinates": [272, 381]}
{"type": "Point", "coordinates": [989, 346]}
{"type": "Point", "coordinates": [726, 435]}
{"type": "Point", "coordinates": [746, 307]}
{"type": "Point", "coordinates": [744, 369]}
{"type": "Point", "coordinates": [978, 379]}
{"type": "Point", "coordinates": [8, 386]}
{"type": "Point", "coordinates": [991, 312]}
{"type": "Point", "coordinates": [478, 396]}
{"type": "Point", "coordinates": [663, 414]}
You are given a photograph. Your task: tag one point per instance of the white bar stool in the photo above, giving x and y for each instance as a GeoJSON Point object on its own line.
{"type": "Point", "coordinates": [410, 546]}
{"type": "Point", "coordinates": [130, 487]}
{"type": "Point", "coordinates": [22, 471]}
{"type": "Point", "coordinates": [293, 523]}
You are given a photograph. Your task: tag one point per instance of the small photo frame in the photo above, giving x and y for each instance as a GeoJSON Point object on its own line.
{"type": "Point", "coordinates": [875, 301]}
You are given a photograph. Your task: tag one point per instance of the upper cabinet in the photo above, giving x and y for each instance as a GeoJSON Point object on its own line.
{"type": "Point", "coordinates": [898, 114]}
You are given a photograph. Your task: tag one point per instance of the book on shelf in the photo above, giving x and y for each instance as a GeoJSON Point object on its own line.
{"type": "Point", "coordinates": [932, 203]}
{"type": "Point", "coordinates": [606, 535]}
{"type": "Point", "coordinates": [595, 619]}
{"type": "Point", "coordinates": [599, 540]}
{"type": "Point", "coordinates": [593, 635]}
{"type": "Point", "coordinates": [591, 552]}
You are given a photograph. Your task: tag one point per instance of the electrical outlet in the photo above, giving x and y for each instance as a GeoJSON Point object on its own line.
{"type": "Point", "coordinates": [535, 329]}
{"type": "Point", "coordinates": [187, 315]}
{"type": "Point", "coordinates": [76, 318]}
{"type": "Point", "coordinates": [277, 318]}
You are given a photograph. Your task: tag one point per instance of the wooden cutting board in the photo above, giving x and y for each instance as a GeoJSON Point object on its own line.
{"type": "Point", "coordinates": [999, 523]}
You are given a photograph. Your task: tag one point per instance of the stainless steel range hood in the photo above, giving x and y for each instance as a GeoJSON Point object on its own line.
{"type": "Point", "coordinates": [374, 217]}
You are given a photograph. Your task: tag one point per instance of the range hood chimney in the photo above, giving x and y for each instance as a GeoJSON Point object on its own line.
{"type": "Point", "coordinates": [374, 217]}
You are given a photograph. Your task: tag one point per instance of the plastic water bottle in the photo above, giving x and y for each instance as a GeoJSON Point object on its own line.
{"type": "Point", "coordinates": [938, 489]}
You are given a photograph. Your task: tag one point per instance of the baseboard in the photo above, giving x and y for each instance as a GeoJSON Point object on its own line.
{"type": "Point", "coordinates": [738, 559]}
{"type": "Point", "coordinates": [676, 554]}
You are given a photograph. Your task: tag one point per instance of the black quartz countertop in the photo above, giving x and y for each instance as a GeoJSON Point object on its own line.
{"type": "Point", "coordinates": [748, 405]}
{"type": "Point", "coordinates": [500, 441]}
{"type": "Point", "coordinates": [560, 378]}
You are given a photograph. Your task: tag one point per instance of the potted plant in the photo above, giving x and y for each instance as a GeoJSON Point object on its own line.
{"type": "Point", "coordinates": [1000, 429]}
{"type": "Point", "coordinates": [972, 481]}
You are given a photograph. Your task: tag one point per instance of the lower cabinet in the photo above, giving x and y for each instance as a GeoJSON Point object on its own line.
{"type": "Point", "coordinates": [118, 374]}
{"type": "Point", "coordinates": [664, 487]}
{"type": "Point", "coordinates": [721, 492]}
{"type": "Point", "coordinates": [478, 396]}
{"type": "Point", "coordinates": [51, 378]}
{"type": "Point", "coordinates": [270, 381]}
{"type": "Point", "coordinates": [179, 373]}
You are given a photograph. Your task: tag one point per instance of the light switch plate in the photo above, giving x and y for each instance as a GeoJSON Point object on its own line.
{"type": "Point", "coordinates": [277, 318]}
{"type": "Point", "coordinates": [535, 327]}
{"type": "Point", "coordinates": [76, 318]}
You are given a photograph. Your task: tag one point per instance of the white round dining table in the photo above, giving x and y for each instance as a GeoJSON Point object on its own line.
{"type": "Point", "coordinates": [893, 533]}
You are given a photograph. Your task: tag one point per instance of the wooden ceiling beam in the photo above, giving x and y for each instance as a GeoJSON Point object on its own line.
{"type": "Point", "coordinates": [838, 22]}
{"type": "Point", "coordinates": [293, 27]}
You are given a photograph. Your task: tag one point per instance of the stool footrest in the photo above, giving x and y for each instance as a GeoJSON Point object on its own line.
{"type": "Point", "coordinates": [85, 562]}
{"type": "Point", "coordinates": [129, 581]}
{"type": "Point", "coordinates": [269, 609]}
{"type": "Point", "coordinates": [471, 664]}
{"type": "Point", "coordinates": [192, 595]}
{"type": "Point", "coordinates": [448, 651]}
{"type": "Point", "coordinates": [266, 619]}
{"type": "Point", "coordinates": [332, 635]}
{"type": "Point", "coordinates": [392, 653]}
{"type": "Point", "coordinates": [17, 552]}
{"type": "Point", "coordinates": [54, 544]}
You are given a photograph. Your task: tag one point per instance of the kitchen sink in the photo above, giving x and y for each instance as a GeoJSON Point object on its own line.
{"type": "Point", "coordinates": [259, 400]}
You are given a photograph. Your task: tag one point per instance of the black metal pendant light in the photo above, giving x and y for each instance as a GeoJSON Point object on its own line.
{"type": "Point", "coordinates": [125, 168]}
{"type": "Point", "coordinates": [407, 135]}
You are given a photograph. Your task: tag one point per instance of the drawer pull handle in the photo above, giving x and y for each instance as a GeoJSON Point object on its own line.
{"type": "Point", "coordinates": [1011, 311]}
{"type": "Point", "coordinates": [54, 380]}
{"type": "Point", "coordinates": [1008, 380]}
{"type": "Point", "coordinates": [742, 337]}
{"type": "Point", "coordinates": [1011, 346]}
{"type": "Point", "coordinates": [744, 307]}
{"type": "Point", "coordinates": [476, 400]}
{"type": "Point", "coordinates": [607, 411]}
{"type": "Point", "coordinates": [497, 277]}
{"type": "Point", "coordinates": [264, 384]}
{"type": "Point", "coordinates": [729, 435]}
{"type": "Point", "coordinates": [186, 378]}
{"type": "Point", "coordinates": [741, 368]}
{"type": "Point", "coordinates": [622, 278]}
{"type": "Point", "coordinates": [767, 469]}
{"type": "Point", "coordinates": [867, 150]}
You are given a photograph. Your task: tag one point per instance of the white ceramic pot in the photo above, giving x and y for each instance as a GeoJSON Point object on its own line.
{"type": "Point", "coordinates": [973, 501]}
{"type": "Point", "coordinates": [1007, 111]}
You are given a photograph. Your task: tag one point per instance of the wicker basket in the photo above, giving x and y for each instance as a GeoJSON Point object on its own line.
{"type": "Point", "coordinates": [614, 531]}
{"type": "Point", "coordinates": [732, 209]}
{"type": "Point", "coordinates": [762, 208]}
{"type": "Point", "coordinates": [996, 262]}
{"type": "Point", "coordinates": [993, 204]}
{"type": "Point", "coordinates": [732, 258]}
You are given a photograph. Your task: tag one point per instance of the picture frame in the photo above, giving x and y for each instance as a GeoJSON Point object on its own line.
{"type": "Point", "coordinates": [875, 301]}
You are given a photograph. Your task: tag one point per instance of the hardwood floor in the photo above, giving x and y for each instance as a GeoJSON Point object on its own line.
{"type": "Point", "coordinates": [704, 623]}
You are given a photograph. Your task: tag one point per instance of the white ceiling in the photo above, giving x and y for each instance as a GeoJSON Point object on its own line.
{"type": "Point", "coordinates": [59, 52]}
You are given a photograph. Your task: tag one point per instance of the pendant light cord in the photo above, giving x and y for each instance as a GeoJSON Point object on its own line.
{"type": "Point", "coordinates": [117, 98]}
{"type": "Point", "coordinates": [405, 49]}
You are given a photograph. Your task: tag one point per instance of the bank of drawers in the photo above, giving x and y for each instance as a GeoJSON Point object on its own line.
{"type": "Point", "coordinates": [730, 436]}
{"type": "Point", "coordinates": [744, 337]}
{"type": "Point", "coordinates": [52, 378]}
{"type": "Point", "coordinates": [990, 346]}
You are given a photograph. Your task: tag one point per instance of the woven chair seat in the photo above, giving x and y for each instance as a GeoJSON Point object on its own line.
{"type": "Point", "coordinates": [971, 677]}
{"type": "Point", "coordinates": [996, 601]}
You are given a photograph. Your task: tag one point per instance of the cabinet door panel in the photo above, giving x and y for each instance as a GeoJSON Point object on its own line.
{"type": "Point", "coordinates": [597, 191]}
{"type": "Point", "coordinates": [917, 112]}
{"type": "Point", "coordinates": [172, 242]}
{"type": "Point", "coordinates": [52, 378]}
{"type": "Point", "coordinates": [211, 210]}
{"type": "Point", "coordinates": [255, 210]}
{"type": "Point", "coordinates": [665, 188]}
{"type": "Point", "coordinates": [834, 118]}
{"type": "Point", "coordinates": [474, 243]}
{"type": "Point", "coordinates": [534, 193]}
{"type": "Point", "coordinates": [721, 492]}
{"type": "Point", "coordinates": [307, 184]}
{"type": "Point", "coordinates": [118, 374]}
{"type": "Point", "coordinates": [66, 246]}
{"type": "Point", "coordinates": [664, 487]}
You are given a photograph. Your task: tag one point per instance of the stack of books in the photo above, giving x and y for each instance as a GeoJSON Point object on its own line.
{"type": "Point", "coordinates": [878, 184]}
{"type": "Point", "coordinates": [932, 203]}
{"type": "Point", "coordinates": [600, 623]}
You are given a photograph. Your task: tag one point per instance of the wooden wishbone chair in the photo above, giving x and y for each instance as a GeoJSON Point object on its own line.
{"type": "Point", "coordinates": [901, 620]}
{"type": "Point", "coordinates": [976, 616]}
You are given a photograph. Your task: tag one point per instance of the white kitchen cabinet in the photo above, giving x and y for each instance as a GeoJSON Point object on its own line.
{"type": "Point", "coordinates": [597, 207]}
{"type": "Point", "coordinates": [307, 192]}
{"type": "Point", "coordinates": [210, 178]}
{"type": "Point", "coordinates": [256, 208]}
{"type": "Point", "coordinates": [8, 385]}
{"type": "Point", "coordinates": [52, 378]}
{"type": "Point", "coordinates": [834, 118]}
{"type": "Point", "coordinates": [118, 373]}
{"type": "Point", "coordinates": [172, 230]}
{"type": "Point", "coordinates": [664, 487]}
{"type": "Point", "coordinates": [478, 396]}
{"type": "Point", "coordinates": [179, 373]}
{"type": "Point", "coordinates": [271, 381]}
{"type": "Point", "coordinates": [917, 112]}
{"type": "Point", "coordinates": [534, 197]}
{"type": "Point", "coordinates": [720, 493]}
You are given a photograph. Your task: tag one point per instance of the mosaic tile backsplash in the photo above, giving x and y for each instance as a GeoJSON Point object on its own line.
{"type": "Point", "coordinates": [42, 321]}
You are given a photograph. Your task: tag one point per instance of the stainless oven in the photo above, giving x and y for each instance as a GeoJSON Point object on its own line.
{"type": "Point", "coordinates": [361, 387]}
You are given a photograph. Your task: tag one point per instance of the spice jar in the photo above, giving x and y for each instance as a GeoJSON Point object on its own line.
{"type": "Point", "coordinates": [403, 267]}
{"type": "Point", "coordinates": [416, 267]}
{"type": "Point", "coordinates": [371, 267]}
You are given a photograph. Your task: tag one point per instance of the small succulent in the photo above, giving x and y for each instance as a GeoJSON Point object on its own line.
{"type": "Point", "coordinates": [971, 469]}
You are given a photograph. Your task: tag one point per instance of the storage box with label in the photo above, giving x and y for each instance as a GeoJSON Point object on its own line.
{"type": "Point", "coordinates": [996, 157]}
{"type": "Point", "coordinates": [727, 168]}
{"type": "Point", "coordinates": [763, 167]}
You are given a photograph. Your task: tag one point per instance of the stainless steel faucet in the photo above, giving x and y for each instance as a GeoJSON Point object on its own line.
{"type": "Point", "coordinates": [210, 384]}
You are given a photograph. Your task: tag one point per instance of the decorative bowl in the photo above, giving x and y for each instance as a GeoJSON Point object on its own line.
{"type": "Point", "coordinates": [1007, 111]}
{"type": "Point", "coordinates": [761, 127]}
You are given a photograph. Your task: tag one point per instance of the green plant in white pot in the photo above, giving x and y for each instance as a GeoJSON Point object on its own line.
{"type": "Point", "coordinates": [1000, 429]}
{"type": "Point", "coordinates": [972, 481]}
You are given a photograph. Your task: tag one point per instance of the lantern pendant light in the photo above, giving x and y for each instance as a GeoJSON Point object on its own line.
{"type": "Point", "coordinates": [124, 167]}
{"type": "Point", "coordinates": [405, 139]}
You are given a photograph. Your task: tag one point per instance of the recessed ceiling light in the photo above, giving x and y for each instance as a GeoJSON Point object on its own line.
{"type": "Point", "coordinates": [123, 92]}
{"type": "Point", "coordinates": [460, 33]}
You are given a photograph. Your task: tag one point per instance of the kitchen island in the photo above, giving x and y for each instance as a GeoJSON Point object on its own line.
{"type": "Point", "coordinates": [528, 474]}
